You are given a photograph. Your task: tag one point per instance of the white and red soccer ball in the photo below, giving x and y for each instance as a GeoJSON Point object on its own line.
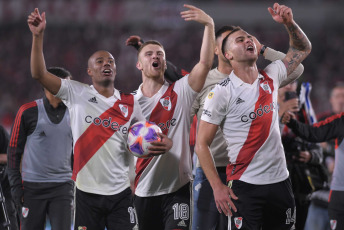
{"type": "Point", "coordinates": [140, 135]}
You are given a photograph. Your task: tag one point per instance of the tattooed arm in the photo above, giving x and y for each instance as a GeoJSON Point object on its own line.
{"type": "Point", "coordinates": [299, 46]}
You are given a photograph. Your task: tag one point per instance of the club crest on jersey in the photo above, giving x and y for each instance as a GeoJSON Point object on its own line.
{"type": "Point", "coordinates": [210, 95]}
{"type": "Point", "coordinates": [25, 212]}
{"type": "Point", "coordinates": [166, 103]}
{"type": "Point", "coordinates": [238, 222]}
{"type": "Point", "coordinates": [124, 110]}
{"type": "Point", "coordinates": [333, 224]}
{"type": "Point", "coordinates": [265, 86]}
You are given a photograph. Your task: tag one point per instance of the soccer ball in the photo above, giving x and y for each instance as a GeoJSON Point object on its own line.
{"type": "Point", "coordinates": [140, 135]}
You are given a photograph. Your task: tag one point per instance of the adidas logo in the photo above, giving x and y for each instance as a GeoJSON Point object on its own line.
{"type": "Point", "coordinates": [181, 224]}
{"type": "Point", "coordinates": [239, 100]}
{"type": "Point", "coordinates": [93, 100]}
{"type": "Point", "coordinates": [42, 134]}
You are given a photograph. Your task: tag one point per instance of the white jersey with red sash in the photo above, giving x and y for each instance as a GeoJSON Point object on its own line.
{"type": "Point", "coordinates": [170, 109]}
{"type": "Point", "coordinates": [100, 129]}
{"type": "Point", "coordinates": [250, 125]}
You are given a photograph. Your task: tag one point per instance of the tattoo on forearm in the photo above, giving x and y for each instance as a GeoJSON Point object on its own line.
{"type": "Point", "coordinates": [300, 47]}
{"type": "Point", "coordinates": [298, 39]}
{"type": "Point", "coordinates": [296, 58]}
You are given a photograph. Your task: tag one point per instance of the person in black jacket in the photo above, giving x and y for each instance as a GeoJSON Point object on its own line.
{"type": "Point", "coordinates": [332, 127]}
{"type": "Point", "coordinates": [5, 186]}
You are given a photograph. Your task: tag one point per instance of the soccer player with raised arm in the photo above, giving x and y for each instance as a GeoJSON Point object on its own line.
{"type": "Point", "coordinates": [162, 183]}
{"type": "Point", "coordinates": [245, 106]}
{"type": "Point", "coordinates": [205, 214]}
{"type": "Point", "coordinates": [100, 118]}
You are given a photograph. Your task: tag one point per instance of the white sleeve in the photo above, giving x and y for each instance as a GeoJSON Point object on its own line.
{"type": "Point", "coordinates": [277, 71]}
{"type": "Point", "coordinates": [183, 89]}
{"type": "Point", "coordinates": [70, 90]}
{"type": "Point", "coordinates": [216, 105]}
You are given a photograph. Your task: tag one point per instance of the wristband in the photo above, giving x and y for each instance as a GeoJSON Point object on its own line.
{"type": "Point", "coordinates": [262, 50]}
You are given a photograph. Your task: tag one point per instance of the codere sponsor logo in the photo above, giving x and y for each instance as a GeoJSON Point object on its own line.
{"type": "Point", "coordinates": [168, 124]}
{"type": "Point", "coordinates": [259, 112]}
{"type": "Point", "coordinates": [106, 123]}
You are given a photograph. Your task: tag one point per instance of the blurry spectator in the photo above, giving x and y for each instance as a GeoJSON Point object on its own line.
{"type": "Point", "coordinates": [5, 186]}
{"type": "Point", "coordinates": [318, 218]}
{"type": "Point", "coordinates": [332, 127]}
{"type": "Point", "coordinates": [303, 158]}
{"type": "Point", "coordinates": [181, 45]}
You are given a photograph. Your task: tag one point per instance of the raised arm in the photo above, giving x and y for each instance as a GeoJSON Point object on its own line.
{"type": "Point", "coordinates": [200, 70]}
{"type": "Point", "coordinates": [37, 25]}
{"type": "Point", "coordinates": [332, 127]}
{"type": "Point", "coordinates": [299, 45]}
{"type": "Point", "coordinates": [273, 55]}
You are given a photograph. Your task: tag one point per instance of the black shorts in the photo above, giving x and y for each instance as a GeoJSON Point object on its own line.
{"type": "Point", "coordinates": [93, 211]}
{"type": "Point", "coordinates": [336, 210]}
{"type": "Point", "coordinates": [268, 207]}
{"type": "Point", "coordinates": [54, 199]}
{"type": "Point", "coordinates": [170, 211]}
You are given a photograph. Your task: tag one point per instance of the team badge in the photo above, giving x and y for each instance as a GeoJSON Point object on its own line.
{"type": "Point", "coordinates": [210, 95]}
{"type": "Point", "coordinates": [124, 110]}
{"type": "Point", "coordinates": [82, 228]}
{"type": "Point", "coordinates": [166, 103]}
{"type": "Point", "coordinates": [265, 86]}
{"type": "Point", "coordinates": [333, 224]}
{"type": "Point", "coordinates": [238, 222]}
{"type": "Point", "coordinates": [25, 212]}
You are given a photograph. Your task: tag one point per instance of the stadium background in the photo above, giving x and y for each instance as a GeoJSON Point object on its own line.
{"type": "Point", "coordinates": [77, 28]}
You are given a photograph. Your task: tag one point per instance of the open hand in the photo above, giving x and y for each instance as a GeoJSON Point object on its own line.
{"type": "Point", "coordinates": [223, 198]}
{"type": "Point", "coordinates": [196, 14]}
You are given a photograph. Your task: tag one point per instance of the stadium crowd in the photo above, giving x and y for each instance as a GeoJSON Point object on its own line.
{"type": "Point", "coordinates": [82, 28]}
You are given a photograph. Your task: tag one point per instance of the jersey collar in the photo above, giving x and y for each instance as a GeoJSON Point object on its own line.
{"type": "Point", "coordinates": [116, 93]}
{"type": "Point", "coordinates": [161, 91]}
{"type": "Point", "coordinates": [237, 81]}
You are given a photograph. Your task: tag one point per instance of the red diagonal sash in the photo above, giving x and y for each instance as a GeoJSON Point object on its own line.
{"type": "Point", "coordinates": [258, 133]}
{"type": "Point", "coordinates": [97, 134]}
{"type": "Point", "coordinates": [161, 115]}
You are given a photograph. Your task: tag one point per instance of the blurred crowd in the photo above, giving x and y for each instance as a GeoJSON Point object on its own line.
{"type": "Point", "coordinates": [71, 41]}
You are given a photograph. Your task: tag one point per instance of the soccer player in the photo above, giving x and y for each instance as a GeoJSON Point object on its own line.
{"type": "Point", "coordinates": [40, 161]}
{"type": "Point", "coordinates": [162, 195]}
{"type": "Point", "coordinates": [205, 214]}
{"type": "Point", "coordinates": [245, 105]}
{"type": "Point", "coordinates": [100, 117]}
{"type": "Point", "coordinates": [330, 128]}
